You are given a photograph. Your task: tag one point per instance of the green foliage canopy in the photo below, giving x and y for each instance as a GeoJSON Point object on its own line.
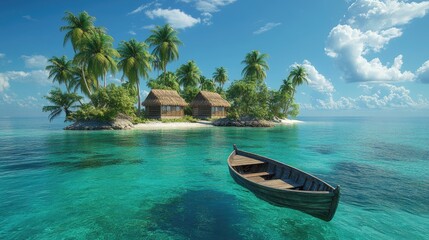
{"type": "Point", "coordinates": [188, 75]}
{"type": "Point", "coordinates": [167, 81]}
{"type": "Point", "coordinates": [165, 45]}
{"type": "Point", "coordinates": [107, 103]}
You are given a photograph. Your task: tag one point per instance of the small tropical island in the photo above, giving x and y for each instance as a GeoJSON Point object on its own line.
{"type": "Point", "coordinates": [90, 102]}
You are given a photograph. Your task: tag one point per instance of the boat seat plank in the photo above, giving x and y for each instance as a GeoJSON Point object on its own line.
{"type": "Point", "coordinates": [242, 161]}
{"type": "Point", "coordinates": [257, 174]}
{"type": "Point", "coordinates": [256, 179]}
{"type": "Point", "coordinates": [279, 183]}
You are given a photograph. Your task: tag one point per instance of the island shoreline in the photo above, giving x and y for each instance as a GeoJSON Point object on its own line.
{"type": "Point", "coordinates": [159, 125]}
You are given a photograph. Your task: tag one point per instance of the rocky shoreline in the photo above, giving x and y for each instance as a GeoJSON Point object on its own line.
{"type": "Point", "coordinates": [120, 123]}
{"type": "Point", "coordinates": [225, 122]}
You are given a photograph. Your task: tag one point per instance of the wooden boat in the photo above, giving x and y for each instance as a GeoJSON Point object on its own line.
{"type": "Point", "coordinates": [283, 185]}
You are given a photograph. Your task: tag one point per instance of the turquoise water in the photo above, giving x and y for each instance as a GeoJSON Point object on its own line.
{"type": "Point", "coordinates": [175, 184]}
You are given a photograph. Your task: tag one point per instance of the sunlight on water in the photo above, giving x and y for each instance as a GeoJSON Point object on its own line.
{"type": "Point", "coordinates": [56, 184]}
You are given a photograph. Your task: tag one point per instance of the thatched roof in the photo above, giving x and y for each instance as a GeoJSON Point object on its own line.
{"type": "Point", "coordinates": [211, 99]}
{"type": "Point", "coordinates": [158, 97]}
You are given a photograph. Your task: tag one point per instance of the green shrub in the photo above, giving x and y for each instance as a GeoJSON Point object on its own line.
{"type": "Point", "coordinates": [89, 112]}
{"type": "Point", "coordinates": [107, 103]}
{"type": "Point", "coordinates": [248, 99]}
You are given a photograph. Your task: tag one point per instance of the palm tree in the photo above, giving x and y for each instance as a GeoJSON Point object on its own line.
{"type": "Point", "coordinates": [78, 28]}
{"type": "Point", "coordinates": [85, 81]}
{"type": "Point", "coordinates": [287, 87]}
{"type": "Point", "coordinates": [134, 63]}
{"type": "Point", "coordinates": [60, 70]}
{"type": "Point", "coordinates": [61, 102]}
{"type": "Point", "coordinates": [188, 74]}
{"type": "Point", "coordinates": [206, 84]}
{"type": "Point", "coordinates": [297, 76]}
{"type": "Point", "coordinates": [286, 95]}
{"type": "Point", "coordinates": [165, 44]}
{"type": "Point", "coordinates": [166, 81]}
{"type": "Point", "coordinates": [256, 66]}
{"type": "Point", "coordinates": [98, 55]}
{"type": "Point", "coordinates": [220, 76]}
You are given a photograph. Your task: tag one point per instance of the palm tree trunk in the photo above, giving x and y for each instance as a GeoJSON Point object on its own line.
{"type": "Point", "coordinates": [289, 102]}
{"type": "Point", "coordinates": [84, 80]}
{"type": "Point", "coordinates": [138, 98]}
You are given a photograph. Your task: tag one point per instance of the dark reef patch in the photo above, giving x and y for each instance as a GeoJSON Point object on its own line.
{"type": "Point", "coordinates": [396, 152]}
{"type": "Point", "coordinates": [212, 161]}
{"type": "Point", "coordinates": [374, 188]}
{"type": "Point", "coordinates": [93, 162]}
{"type": "Point", "coordinates": [199, 214]}
{"type": "Point", "coordinates": [323, 149]}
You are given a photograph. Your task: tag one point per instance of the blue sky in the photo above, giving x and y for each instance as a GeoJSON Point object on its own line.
{"type": "Point", "coordinates": [365, 57]}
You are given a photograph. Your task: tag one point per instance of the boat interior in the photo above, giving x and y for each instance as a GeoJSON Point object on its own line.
{"type": "Point", "coordinates": [276, 176]}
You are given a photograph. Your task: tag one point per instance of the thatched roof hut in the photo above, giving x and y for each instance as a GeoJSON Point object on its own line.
{"type": "Point", "coordinates": [164, 104]}
{"type": "Point", "coordinates": [159, 97]}
{"type": "Point", "coordinates": [209, 105]}
{"type": "Point", "coordinates": [212, 99]}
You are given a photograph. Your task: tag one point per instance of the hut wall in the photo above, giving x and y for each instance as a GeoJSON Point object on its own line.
{"type": "Point", "coordinates": [153, 112]}
{"type": "Point", "coordinates": [172, 111]}
{"type": "Point", "coordinates": [202, 112]}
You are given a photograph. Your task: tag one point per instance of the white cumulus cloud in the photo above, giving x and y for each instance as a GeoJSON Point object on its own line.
{"type": "Point", "coordinates": [4, 82]}
{"type": "Point", "coordinates": [379, 15]}
{"type": "Point", "coordinates": [35, 61]}
{"type": "Point", "coordinates": [367, 28]}
{"type": "Point", "coordinates": [35, 76]}
{"type": "Point", "coordinates": [316, 80]}
{"type": "Point", "coordinates": [266, 27]}
{"type": "Point", "coordinates": [374, 96]}
{"type": "Point", "coordinates": [208, 8]}
{"type": "Point", "coordinates": [2, 55]}
{"type": "Point", "coordinates": [175, 17]}
{"type": "Point", "coordinates": [423, 72]}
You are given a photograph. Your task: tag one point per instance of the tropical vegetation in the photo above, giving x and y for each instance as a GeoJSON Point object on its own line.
{"type": "Point", "coordinates": [134, 63]}
{"type": "Point", "coordinates": [91, 94]}
{"type": "Point", "coordinates": [165, 45]}
{"type": "Point", "coordinates": [61, 102]}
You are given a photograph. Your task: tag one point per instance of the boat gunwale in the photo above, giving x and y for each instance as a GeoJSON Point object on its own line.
{"type": "Point", "coordinates": [235, 152]}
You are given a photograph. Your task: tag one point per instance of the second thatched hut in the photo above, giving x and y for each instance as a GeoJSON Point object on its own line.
{"type": "Point", "coordinates": [209, 105]}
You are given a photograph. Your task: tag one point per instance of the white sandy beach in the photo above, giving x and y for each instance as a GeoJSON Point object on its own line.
{"type": "Point", "coordinates": [189, 125]}
{"type": "Point", "coordinates": [172, 125]}
{"type": "Point", "coordinates": [287, 121]}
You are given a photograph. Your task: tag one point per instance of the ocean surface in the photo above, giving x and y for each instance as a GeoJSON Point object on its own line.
{"type": "Point", "coordinates": [174, 184]}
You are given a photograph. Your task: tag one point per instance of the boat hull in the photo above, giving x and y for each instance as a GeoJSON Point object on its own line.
{"type": "Point", "coordinates": [320, 204]}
